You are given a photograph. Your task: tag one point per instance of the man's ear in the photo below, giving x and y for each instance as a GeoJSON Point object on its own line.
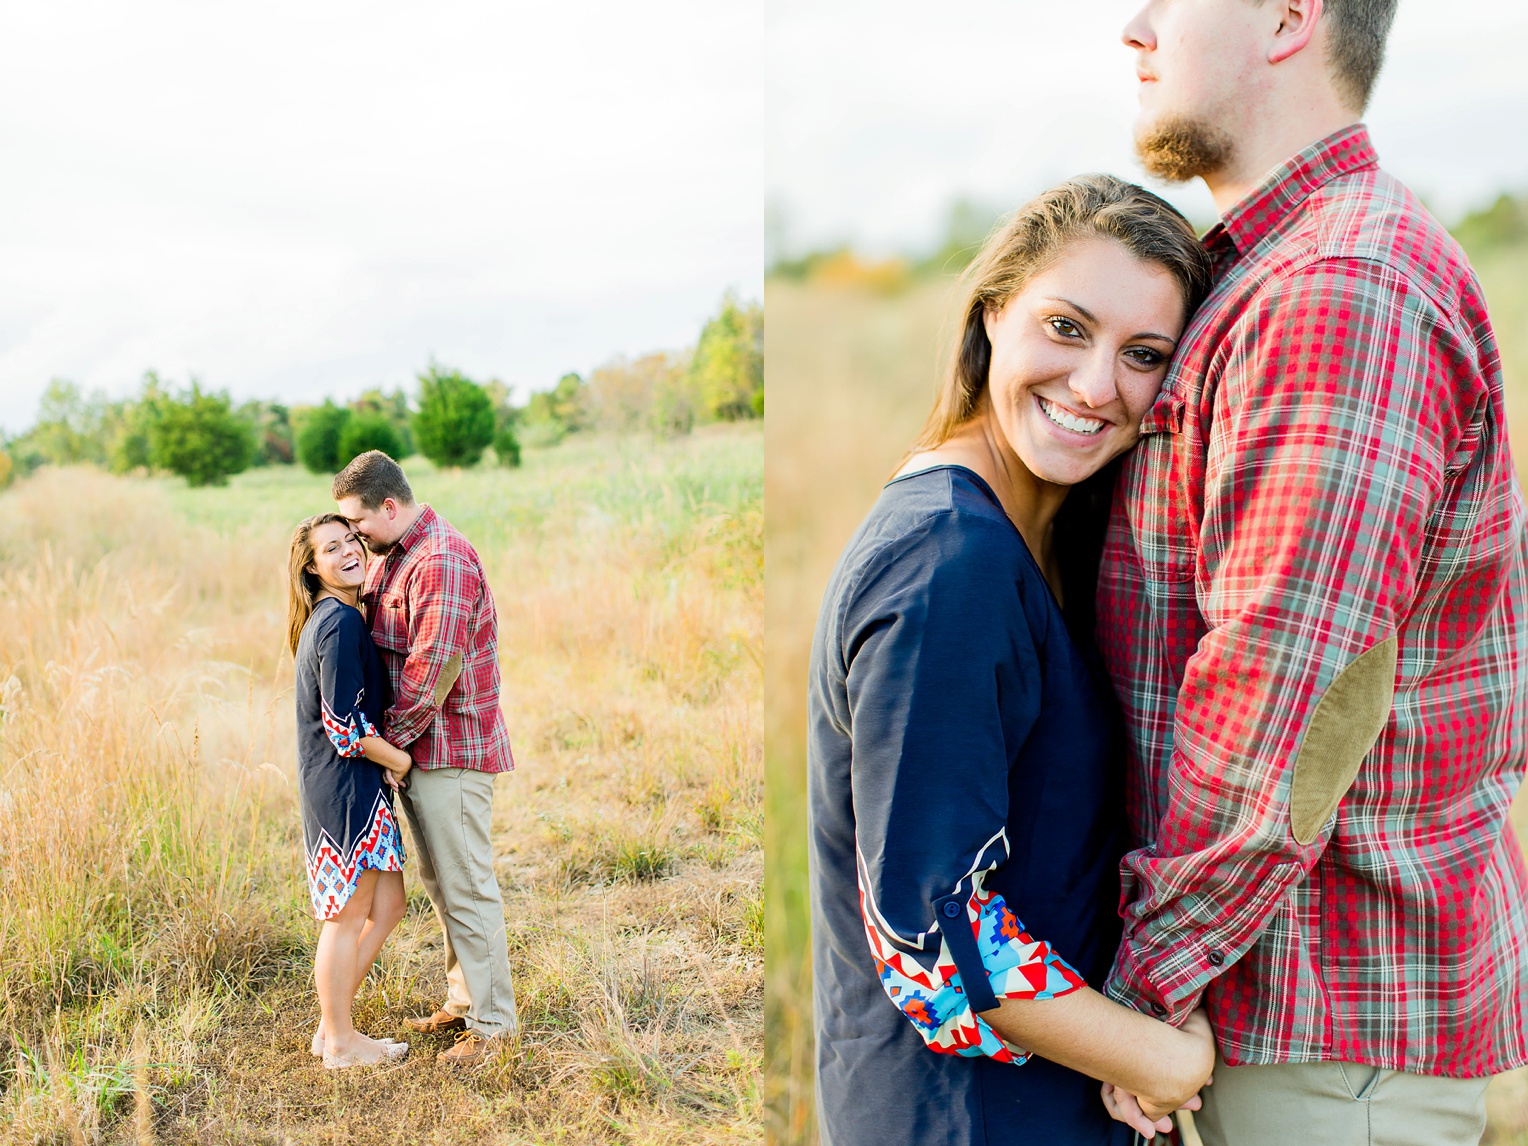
{"type": "Point", "coordinates": [390, 507]}
{"type": "Point", "coordinates": [1298, 25]}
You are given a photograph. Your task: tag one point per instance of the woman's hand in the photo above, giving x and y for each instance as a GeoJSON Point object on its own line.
{"type": "Point", "coordinates": [395, 761]}
{"type": "Point", "coordinates": [1190, 1069]}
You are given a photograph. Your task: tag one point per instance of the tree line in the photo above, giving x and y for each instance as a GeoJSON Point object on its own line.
{"type": "Point", "coordinates": [449, 418]}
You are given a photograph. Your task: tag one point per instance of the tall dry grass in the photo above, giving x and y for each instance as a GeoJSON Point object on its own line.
{"type": "Point", "coordinates": [851, 377]}
{"type": "Point", "coordinates": [155, 947]}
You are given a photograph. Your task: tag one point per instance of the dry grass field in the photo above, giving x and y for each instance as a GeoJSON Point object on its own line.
{"type": "Point", "coordinates": [851, 373]}
{"type": "Point", "coordinates": [155, 947]}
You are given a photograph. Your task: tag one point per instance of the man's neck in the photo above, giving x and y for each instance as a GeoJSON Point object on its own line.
{"type": "Point", "coordinates": [1257, 156]}
{"type": "Point", "coordinates": [407, 516]}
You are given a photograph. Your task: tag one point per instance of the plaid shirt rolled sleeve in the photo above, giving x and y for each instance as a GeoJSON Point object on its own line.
{"type": "Point", "coordinates": [432, 617]}
{"type": "Point", "coordinates": [1311, 603]}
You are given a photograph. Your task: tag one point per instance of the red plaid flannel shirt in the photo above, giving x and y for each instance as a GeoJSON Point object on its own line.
{"type": "Point", "coordinates": [427, 603]}
{"type": "Point", "coordinates": [1326, 477]}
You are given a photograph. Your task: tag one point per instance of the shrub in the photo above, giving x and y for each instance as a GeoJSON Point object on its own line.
{"type": "Point", "coordinates": [506, 447]}
{"type": "Point", "coordinates": [455, 422]}
{"type": "Point", "coordinates": [318, 437]}
{"type": "Point", "coordinates": [728, 367]}
{"type": "Point", "coordinates": [199, 437]}
{"type": "Point", "coordinates": [128, 448]}
{"type": "Point", "coordinates": [368, 431]}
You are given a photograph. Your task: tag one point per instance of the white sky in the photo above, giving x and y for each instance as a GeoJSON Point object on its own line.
{"type": "Point", "coordinates": [293, 200]}
{"type": "Point", "coordinates": [880, 114]}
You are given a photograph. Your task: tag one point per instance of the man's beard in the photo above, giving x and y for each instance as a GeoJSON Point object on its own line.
{"type": "Point", "coordinates": [1177, 149]}
{"type": "Point", "coordinates": [377, 549]}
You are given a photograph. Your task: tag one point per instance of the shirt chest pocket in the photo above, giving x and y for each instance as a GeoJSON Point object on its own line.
{"type": "Point", "coordinates": [390, 626]}
{"type": "Point", "coordinates": [1162, 497]}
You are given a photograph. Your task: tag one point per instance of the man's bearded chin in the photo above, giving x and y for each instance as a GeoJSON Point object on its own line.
{"type": "Point", "coordinates": [376, 548]}
{"type": "Point", "coordinates": [1178, 149]}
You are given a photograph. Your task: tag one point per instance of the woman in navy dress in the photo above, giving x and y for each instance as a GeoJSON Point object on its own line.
{"type": "Point", "coordinates": [346, 774]}
{"type": "Point", "coordinates": [965, 761]}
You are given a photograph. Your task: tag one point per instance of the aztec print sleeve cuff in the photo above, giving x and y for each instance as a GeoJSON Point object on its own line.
{"type": "Point", "coordinates": [345, 735]}
{"type": "Point", "coordinates": [986, 957]}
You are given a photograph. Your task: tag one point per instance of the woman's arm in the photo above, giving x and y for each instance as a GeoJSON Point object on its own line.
{"type": "Point", "coordinates": [1162, 1065]}
{"type": "Point", "coordinates": [379, 751]}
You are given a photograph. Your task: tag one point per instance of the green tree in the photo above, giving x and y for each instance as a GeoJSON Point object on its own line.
{"type": "Point", "coordinates": [394, 406]}
{"type": "Point", "coordinates": [368, 431]}
{"type": "Point", "coordinates": [271, 424]}
{"type": "Point", "coordinates": [506, 419]}
{"type": "Point", "coordinates": [318, 437]}
{"type": "Point", "coordinates": [455, 422]}
{"type": "Point", "coordinates": [199, 437]}
{"type": "Point", "coordinates": [127, 446]}
{"type": "Point", "coordinates": [7, 468]}
{"type": "Point", "coordinates": [727, 370]}
{"type": "Point", "coordinates": [68, 428]}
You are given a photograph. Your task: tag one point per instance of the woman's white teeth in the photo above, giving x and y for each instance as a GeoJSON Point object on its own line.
{"type": "Point", "coordinates": [1070, 421]}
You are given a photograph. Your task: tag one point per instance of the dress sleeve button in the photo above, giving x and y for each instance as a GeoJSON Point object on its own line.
{"type": "Point", "coordinates": [951, 909]}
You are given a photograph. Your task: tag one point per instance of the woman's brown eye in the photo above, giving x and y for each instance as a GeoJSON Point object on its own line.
{"type": "Point", "coordinates": [1063, 326]}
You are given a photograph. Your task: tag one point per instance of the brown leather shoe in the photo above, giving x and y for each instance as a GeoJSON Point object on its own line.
{"type": "Point", "coordinates": [437, 1023]}
{"type": "Point", "coordinates": [469, 1049]}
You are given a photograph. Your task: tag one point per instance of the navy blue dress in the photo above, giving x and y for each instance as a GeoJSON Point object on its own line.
{"type": "Point", "coordinates": [348, 825]}
{"type": "Point", "coordinates": [965, 772]}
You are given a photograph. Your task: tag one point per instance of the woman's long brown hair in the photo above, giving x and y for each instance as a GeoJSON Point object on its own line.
{"type": "Point", "coordinates": [303, 586]}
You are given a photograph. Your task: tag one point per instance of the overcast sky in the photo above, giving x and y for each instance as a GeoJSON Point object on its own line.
{"type": "Point", "coordinates": [880, 114]}
{"type": "Point", "coordinates": [292, 200]}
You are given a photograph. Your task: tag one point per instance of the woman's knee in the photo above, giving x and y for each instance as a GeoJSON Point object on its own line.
{"type": "Point", "coordinates": [389, 904]}
{"type": "Point", "coordinates": [358, 907]}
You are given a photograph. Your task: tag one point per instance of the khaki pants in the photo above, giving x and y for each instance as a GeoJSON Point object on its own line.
{"type": "Point", "coordinates": [1339, 1104]}
{"type": "Point", "coordinates": [448, 812]}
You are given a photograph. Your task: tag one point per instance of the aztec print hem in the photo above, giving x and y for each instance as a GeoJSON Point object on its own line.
{"type": "Point", "coordinates": [345, 735]}
{"type": "Point", "coordinates": [332, 878]}
{"type": "Point", "coordinates": [1017, 966]}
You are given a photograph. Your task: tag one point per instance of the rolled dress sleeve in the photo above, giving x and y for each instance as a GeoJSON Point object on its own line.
{"type": "Point", "coordinates": [943, 688]}
{"type": "Point", "coordinates": [1347, 398]}
{"type": "Point", "coordinates": [341, 681]}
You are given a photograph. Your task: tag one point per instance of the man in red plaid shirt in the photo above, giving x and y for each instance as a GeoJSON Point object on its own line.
{"type": "Point", "coordinates": [1314, 606]}
{"type": "Point", "coordinates": [432, 618]}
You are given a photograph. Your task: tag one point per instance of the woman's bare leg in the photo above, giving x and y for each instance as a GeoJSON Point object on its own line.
{"type": "Point", "coordinates": [334, 974]}
{"type": "Point", "coordinates": [388, 907]}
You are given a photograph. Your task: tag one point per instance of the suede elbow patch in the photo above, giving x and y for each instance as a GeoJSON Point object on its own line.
{"type": "Point", "coordinates": [1343, 729]}
{"type": "Point", "coordinates": [448, 674]}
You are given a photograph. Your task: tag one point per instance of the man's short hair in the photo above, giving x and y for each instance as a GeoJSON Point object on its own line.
{"type": "Point", "coordinates": [1356, 46]}
{"type": "Point", "coordinates": [373, 477]}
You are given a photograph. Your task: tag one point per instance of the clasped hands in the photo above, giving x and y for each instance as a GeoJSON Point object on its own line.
{"type": "Point", "coordinates": [394, 771]}
{"type": "Point", "coordinates": [1148, 1113]}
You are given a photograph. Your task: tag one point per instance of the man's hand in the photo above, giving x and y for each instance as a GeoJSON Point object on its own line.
{"type": "Point", "coordinates": [1125, 1107]}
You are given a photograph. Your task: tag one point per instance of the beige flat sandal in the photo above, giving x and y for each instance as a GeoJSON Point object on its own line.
{"type": "Point", "coordinates": [391, 1052]}
{"type": "Point", "coordinates": [316, 1048]}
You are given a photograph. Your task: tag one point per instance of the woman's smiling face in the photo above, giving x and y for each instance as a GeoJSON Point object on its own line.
{"type": "Point", "coordinates": [1078, 357]}
{"type": "Point", "coordinates": [339, 559]}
